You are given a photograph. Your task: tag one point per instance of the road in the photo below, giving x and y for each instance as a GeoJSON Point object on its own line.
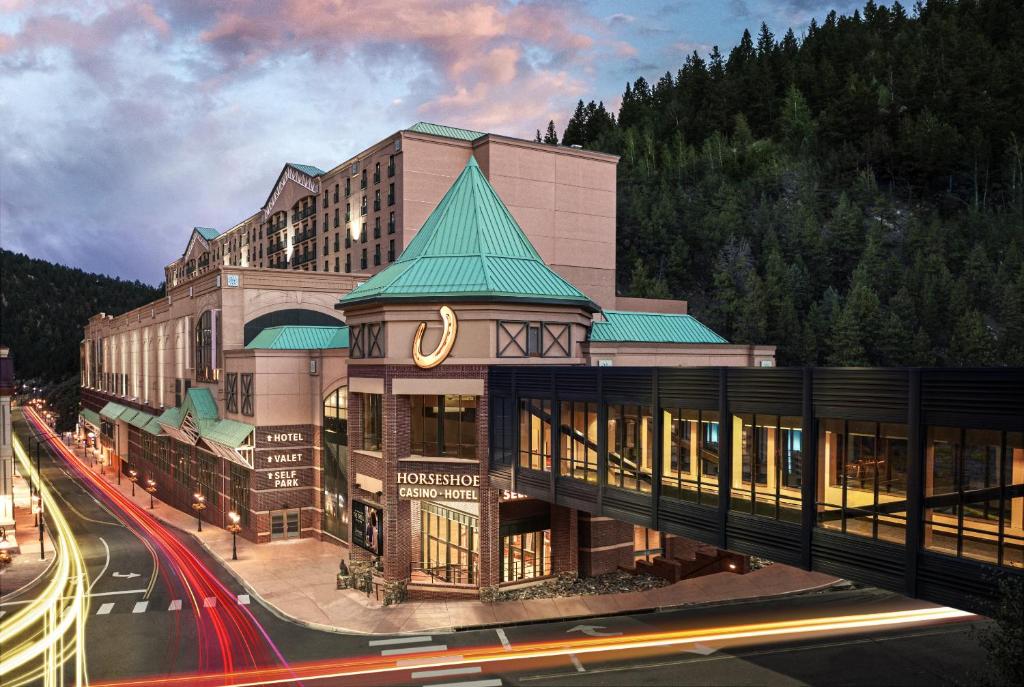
{"type": "Point", "coordinates": [164, 612]}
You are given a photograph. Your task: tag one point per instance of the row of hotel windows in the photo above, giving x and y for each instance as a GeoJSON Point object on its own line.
{"type": "Point", "coordinates": [973, 479]}
{"type": "Point", "coordinates": [362, 180]}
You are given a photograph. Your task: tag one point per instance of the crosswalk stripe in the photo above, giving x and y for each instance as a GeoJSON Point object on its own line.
{"type": "Point", "coordinates": [414, 650]}
{"type": "Point", "coordinates": [175, 605]}
{"type": "Point", "coordinates": [447, 672]}
{"type": "Point", "coordinates": [209, 602]}
{"type": "Point", "coordinates": [105, 609]}
{"type": "Point", "coordinates": [471, 683]}
{"type": "Point", "coordinates": [140, 607]}
{"type": "Point", "coordinates": [243, 599]}
{"type": "Point", "coordinates": [400, 640]}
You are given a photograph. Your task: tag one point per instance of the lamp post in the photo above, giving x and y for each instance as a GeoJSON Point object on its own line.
{"type": "Point", "coordinates": [198, 506]}
{"type": "Point", "coordinates": [37, 508]}
{"type": "Point", "coordinates": [233, 528]}
{"type": "Point", "coordinates": [151, 488]}
{"type": "Point", "coordinates": [133, 475]}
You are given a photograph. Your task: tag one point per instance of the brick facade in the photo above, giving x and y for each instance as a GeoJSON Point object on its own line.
{"type": "Point", "coordinates": [605, 545]}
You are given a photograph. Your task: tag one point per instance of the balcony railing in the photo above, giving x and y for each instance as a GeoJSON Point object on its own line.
{"type": "Point", "coordinates": [303, 236]}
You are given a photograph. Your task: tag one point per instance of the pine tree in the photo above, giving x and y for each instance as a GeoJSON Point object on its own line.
{"type": "Point", "coordinates": [537, 137]}
{"type": "Point", "coordinates": [550, 136]}
{"type": "Point", "coordinates": [972, 343]}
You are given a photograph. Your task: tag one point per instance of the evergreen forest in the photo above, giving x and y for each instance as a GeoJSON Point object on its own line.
{"type": "Point", "coordinates": [853, 195]}
{"type": "Point", "coordinates": [44, 308]}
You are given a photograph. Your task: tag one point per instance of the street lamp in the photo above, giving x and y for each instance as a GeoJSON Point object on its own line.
{"type": "Point", "coordinates": [37, 508]}
{"type": "Point", "coordinates": [233, 528]}
{"type": "Point", "coordinates": [198, 507]}
{"type": "Point", "coordinates": [133, 475]}
{"type": "Point", "coordinates": [151, 488]}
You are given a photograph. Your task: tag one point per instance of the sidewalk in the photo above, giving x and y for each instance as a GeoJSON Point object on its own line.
{"type": "Point", "coordinates": [25, 566]}
{"type": "Point", "coordinates": [295, 579]}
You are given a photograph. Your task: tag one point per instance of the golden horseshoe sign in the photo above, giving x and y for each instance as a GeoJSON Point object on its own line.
{"type": "Point", "coordinates": [444, 346]}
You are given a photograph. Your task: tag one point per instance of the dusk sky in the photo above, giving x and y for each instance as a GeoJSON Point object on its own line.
{"type": "Point", "coordinates": [124, 124]}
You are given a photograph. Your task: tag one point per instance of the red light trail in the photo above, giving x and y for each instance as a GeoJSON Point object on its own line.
{"type": "Point", "coordinates": [229, 637]}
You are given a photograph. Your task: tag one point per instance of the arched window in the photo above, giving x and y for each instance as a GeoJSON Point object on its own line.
{"type": "Point", "coordinates": [207, 342]}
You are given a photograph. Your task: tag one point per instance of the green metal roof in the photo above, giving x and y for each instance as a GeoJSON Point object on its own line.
{"type": "Point", "coordinates": [140, 419]}
{"type": "Point", "coordinates": [446, 131]}
{"type": "Point", "coordinates": [90, 416]}
{"type": "Point", "coordinates": [300, 337]}
{"type": "Point", "coordinates": [207, 233]}
{"type": "Point", "coordinates": [171, 417]}
{"type": "Point", "coordinates": [112, 410]}
{"type": "Point", "coordinates": [649, 327]}
{"type": "Point", "coordinates": [308, 169]}
{"type": "Point", "coordinates": [231, 433]}
{"type": "Point", "coordinates": [200, 401]}
{"type": "Point", "coordinates": [470, 248]}
{"type": "Point", "coordinates": [153, 427]}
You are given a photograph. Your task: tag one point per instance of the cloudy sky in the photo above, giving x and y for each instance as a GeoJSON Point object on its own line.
{"type": "Point", "coordinates": [125, 123]}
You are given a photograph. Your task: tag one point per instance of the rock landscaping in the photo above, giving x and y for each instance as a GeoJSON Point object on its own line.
{"type": "Point", "coordinates": [611, 583]}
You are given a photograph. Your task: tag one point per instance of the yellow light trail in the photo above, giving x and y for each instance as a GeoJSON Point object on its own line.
{"type": "Point", "coordinates": [362, 666]}
{"type": "Point", "coordinates": [50, 630]}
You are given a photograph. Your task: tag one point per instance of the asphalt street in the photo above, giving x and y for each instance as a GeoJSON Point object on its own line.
{"type": "Point", "coordinates": [146, 616]}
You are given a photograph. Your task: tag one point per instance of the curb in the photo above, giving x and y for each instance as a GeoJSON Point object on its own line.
{"type": "Point", "coordinates": [657, 609]}
{"type": "Point", "coordinates": [281, 615]}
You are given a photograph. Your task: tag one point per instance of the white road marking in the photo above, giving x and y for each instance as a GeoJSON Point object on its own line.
{"type": "Point", "coordinates": [243, 599]}
{"type": "Point", "coordinates": [209, 602]}
{"type": "Point", "coordinates": [126, 576]}
{"type": "Point", "coordinates": [468, 670]}
{"type": "Point", "coordinates": [414, 650]}
{"type": "Point", "coordinates": [3, 613]}
{"type": "Point", "coordinates": [140, 607]}
{"type": "Point", "coordinates": [105, 609]}
{"type": "Point", "coordinates": [504, 639]}
{"type": "Point", "coordinates": [400, 640]}
{"type": "Point", "coordinates": [471, 683]}
{"type": "Point", "coordinates": [126, 591]}
{"type": "Point", "coordinates": [702, 649]}
{"type": "Point", "coordinates": [175, 605]}
{"type": "Point", "coordinates": [576, 662]}
{"type": "Point", "coordinates": [91, 596]}
{"type": "Point", "coordinates": [105, 563]}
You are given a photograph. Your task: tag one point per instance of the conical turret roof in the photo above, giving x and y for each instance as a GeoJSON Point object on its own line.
{"type": "Point", "coordinates": [470, 248]}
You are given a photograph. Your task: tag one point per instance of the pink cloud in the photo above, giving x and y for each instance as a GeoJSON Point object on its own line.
{"type": "Point", "coordinates": [477, 47]}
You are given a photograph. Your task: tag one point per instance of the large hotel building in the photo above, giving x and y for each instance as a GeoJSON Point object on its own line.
{"type": "Point", "coordinates": [420, 354]}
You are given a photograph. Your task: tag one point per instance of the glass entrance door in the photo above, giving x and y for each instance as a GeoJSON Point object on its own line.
{"type": "Point", "coordinates": [284, 524]}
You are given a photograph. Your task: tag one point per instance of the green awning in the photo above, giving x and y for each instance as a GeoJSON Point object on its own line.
{"type": "Point", "coordinates": [649, 327]}
{"type": "Point", "coordinates": [140, 419]}
{"type": "Point", "coordinates": [230, 433]}
{"type": "Point", "coordinates": [171, 417]}
{"type": "Point", "coordinates": [90, 416]}
{"type": "Point", "coordinates": [153, 427]}
{"type": "Point", "coordinates": [113, 411]}
{"type": "Point", "coordinates": [200, 401]}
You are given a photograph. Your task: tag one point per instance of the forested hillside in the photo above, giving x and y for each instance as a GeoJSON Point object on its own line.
{"type": "Point", "coordinates": [43, 309]}
{"type": "Point", "coordinates": [855, 196]}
